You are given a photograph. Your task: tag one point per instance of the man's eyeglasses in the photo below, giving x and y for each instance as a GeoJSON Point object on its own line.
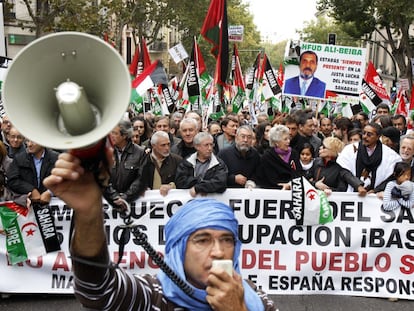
{"type": "Point", "coordinates": [204, 242]}
{"type": "Point", "coordinates": [369, 134]}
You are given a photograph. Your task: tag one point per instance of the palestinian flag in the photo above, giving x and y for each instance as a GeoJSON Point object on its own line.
{"type": "Point", "coordinates": [151, 76]}
{"type": "Point", "coordinates": [310, 206]}
{"type": "Point", "coordinates": [30, 232]}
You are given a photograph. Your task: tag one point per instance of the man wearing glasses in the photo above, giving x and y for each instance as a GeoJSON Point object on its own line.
{"type": "Point", "coordinates": [370, 160]}
{"type": "Point", "coordinates": [201, 231]}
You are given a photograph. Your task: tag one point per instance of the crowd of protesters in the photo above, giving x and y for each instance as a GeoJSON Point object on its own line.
{"type": "Point", "coordinates": [183, 151]}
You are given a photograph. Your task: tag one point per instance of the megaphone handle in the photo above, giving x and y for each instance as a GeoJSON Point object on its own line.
{"type": "Point", "coordinates": [98, 160]}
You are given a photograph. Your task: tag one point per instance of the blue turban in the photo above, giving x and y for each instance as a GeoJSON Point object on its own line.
{"type": "Point", "coordinates": [195, 215]}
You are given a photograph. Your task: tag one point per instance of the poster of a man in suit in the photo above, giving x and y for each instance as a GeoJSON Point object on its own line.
{"type": "Point", "coordinates": [306, 84]}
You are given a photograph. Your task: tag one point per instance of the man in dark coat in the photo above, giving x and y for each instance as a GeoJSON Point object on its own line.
{"type": "Point", "coordinates": [29, 168]}
{"type": "Point", "coordinates": [241, 159]}
{"type": "Point", "coordinates": [126, 174]}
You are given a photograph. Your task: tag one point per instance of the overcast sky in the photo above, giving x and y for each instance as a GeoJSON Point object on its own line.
{"type": "Point", "coordinates": [280, 18]}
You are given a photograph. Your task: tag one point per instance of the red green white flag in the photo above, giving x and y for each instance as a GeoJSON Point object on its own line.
{"type": "Point", "coordinates": [238, 86]}
{"type": "Point", "coordinates": [30, 232]}
{"type": "Point", "coordinates": [310, 206]}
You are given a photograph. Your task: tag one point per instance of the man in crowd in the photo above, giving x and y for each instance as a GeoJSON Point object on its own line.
{"type": "Point", "coordinates": [241, 160]}
{"type": "Point", "coordinates": [28, 170]}
{"type": "Point", "coordinates": [307, 129]}
{"type": "Point", "coordinates": [383, 109]}
{"type": "Point", "coordinates": [229, 127]}
{"type": "Point", "coordinates": [296, 140]}
{"type": "Point", "coordinates": [202, 172]}
{"type": "Point", "coordinates": [341, 127]}
{"type": "Point", "coordinates": [325, 128]}
{"type": "Point", "coordinates": [371, 161]}
{"type": "Point", "coordinates": [15, 142]}
{"type": "Point", "coordinates": [160, 165]}
{"type": "Point", "coordinates": [188, 129]}
{"type": "Point", "coordinates": [407, 149]}
{"type": "Point", "coordinates": [162, 123]}
{"type": "Point", "coordinates": [362, 118]}
{"type": "Point", "coordinates": [400, 122]}
{"type": "Point", "coordinates": [201, 231]}
{"type": "Point", "coordinates": [126, 174]}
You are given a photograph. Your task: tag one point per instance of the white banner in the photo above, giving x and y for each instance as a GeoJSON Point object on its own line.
{"type": "Point", "coordinates": [178, 53]}
{"type": "Point", "coordinates": [365, 251]}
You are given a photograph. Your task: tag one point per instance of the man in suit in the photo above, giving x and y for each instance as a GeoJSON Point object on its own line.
{"type": "Point", "coordinates": [306, 84]}
{"type": "Point", "coordinates": [29, 168]}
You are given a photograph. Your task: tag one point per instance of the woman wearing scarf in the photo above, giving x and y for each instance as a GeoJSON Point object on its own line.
{"type": "Point", "coordinates": [201, 231]}
{"type": "Point", "coordinates": [280, 163]}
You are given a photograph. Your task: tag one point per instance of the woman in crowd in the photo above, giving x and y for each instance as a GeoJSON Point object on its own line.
{"type": "Point", "coordinates": [327, 174]}
{"type": "Point", "coordinates": [262, 136]}
{"type": "Point", "coordinates": [140, 126]}
{"type": "Point", "coordinates": [280, 163]}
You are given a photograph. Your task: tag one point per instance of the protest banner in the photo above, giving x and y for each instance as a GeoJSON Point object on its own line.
{"type": "Point", "coordinates": [365, 251]}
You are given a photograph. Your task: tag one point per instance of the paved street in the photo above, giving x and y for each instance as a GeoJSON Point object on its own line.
{"type": "Point", "coordinates": [284, 303]}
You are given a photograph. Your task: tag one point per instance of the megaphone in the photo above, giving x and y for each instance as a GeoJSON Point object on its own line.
{"type": "Point", "coordinates": [66, 90]}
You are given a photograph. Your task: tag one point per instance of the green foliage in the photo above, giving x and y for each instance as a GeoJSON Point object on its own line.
{"type": "Point", "coordinates": [389, 19]}
{"type": "Point", "coordinates": [316, 31]}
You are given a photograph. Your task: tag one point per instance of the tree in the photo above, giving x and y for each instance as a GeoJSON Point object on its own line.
{"type": "Point", "coordinates": [391, 19]}
{"type": "Point", "coordinates": [316, 31]}
{"type": "Point", "coordinates": [190, 24]}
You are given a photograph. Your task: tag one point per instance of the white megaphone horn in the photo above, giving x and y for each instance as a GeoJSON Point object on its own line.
{"type": "Point", "coordinates": [66, 90]}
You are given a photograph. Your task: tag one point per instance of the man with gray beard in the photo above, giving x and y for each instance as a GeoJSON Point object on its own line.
{"type": "Point", "coordinates": [160, 165]}
{"type": "Point", "coordinates": [242, 159]}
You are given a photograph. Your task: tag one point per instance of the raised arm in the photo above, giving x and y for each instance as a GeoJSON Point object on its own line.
{"type": "Point", "coordinates": [79, 190]}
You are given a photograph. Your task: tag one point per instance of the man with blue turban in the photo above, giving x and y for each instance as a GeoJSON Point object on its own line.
{"type": "Point", "coordinates": [201, 231]}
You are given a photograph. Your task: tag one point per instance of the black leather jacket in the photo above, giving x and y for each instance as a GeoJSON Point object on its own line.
{"type": "Point", "coordinates": [126, 174]}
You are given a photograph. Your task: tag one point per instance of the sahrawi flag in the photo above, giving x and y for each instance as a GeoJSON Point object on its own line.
{"type": "Point", "coordinates": [310, 206]}
{"type": "Point", "coordinates": [30, 232]}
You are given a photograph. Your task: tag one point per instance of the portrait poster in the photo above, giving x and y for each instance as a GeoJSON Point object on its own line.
{"type": "Point", "coordinates": [340, 69]}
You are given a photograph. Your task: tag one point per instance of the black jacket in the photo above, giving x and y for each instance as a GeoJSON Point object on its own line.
{"type": "Point", "coordinates": [335, 177]}
{"type": "Point", "coordinates": [22, 176]}
{"type": "Point", "coordinates": [237, 164]}
{"type": "Point", "coordinates": [214, 180]}
{"type": "Point", "coordinates": [274, 171]}
{"type": "Point", "coordinates": [126, 174]}
{"type": "Point", "coordinates": [182, 150]}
